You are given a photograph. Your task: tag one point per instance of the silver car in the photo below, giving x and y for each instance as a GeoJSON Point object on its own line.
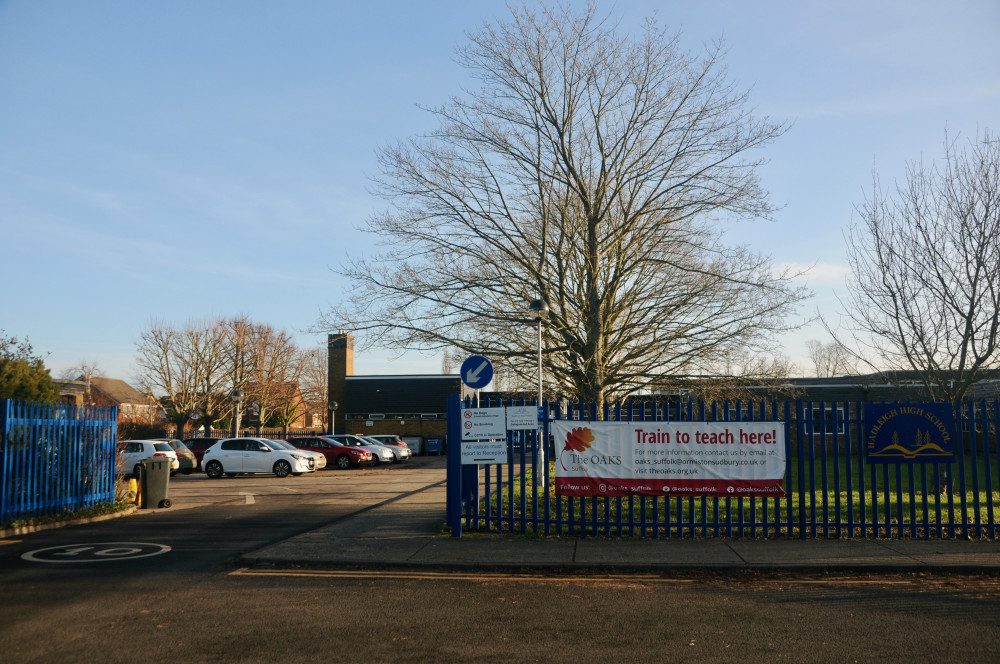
{"type": "Point", "coordinates": [400, 452]}
{"type": "Point", "coordinates": [380, 453]}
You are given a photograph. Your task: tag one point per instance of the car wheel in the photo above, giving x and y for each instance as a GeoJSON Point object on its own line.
{"type": "Point", "coordinates": [282, 468]}
{"type": "Point", "coordinates": [137, 470]}
{"type": "Point", "coordinates": [343, 462]}
{"type": "Point", "coordinates": [213, 469]}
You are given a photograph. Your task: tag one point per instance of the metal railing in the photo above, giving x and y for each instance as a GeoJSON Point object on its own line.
{"type": "Point", "coordinates": [55, 458]}
{"type": "Point", "coordinates": [831, 489]}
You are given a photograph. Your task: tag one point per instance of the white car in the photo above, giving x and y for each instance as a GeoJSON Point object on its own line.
{"type": "Point", "coordinates": [233, 456]}
{"type": "Point", "coordinates": [400, 452]}
{"type": "Point", "coordinates": [380, 453]}
{"type": "Point", "coordinates": [133, 452]}
{"type": "Point", "coordinates": [285, 445]}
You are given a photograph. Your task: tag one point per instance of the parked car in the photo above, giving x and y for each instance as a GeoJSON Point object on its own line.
{"type": "Point", "coordinates": [132, 453]}
{"type": "Point", "coordinates": [380, 453]}
{"type": "Point", "coordinates": [400, 452]}
{"type": "Point", "coordinates": [187, 462]}
{"type": "Point", "coordinates": [233, 456]}
{"type": "Point", "coordinates": [277, 443]}
{"type": "Point", "coordinates": [337, 453]}
{"type": "Point", "coordinates": [198, 447]}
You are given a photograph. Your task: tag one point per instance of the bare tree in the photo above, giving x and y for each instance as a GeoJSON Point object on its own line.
{"type": "Point", "coordinates": [164, 370]}
{"type": "Point", "coordinates": [84, 371]}
{"type": "Point", "coordinates": [829, 359]}
{"type": "Point", "coordinates": [274, 374]}
{"type": "Point", "coordinates": [314, 381]}
{"type": "Point", "coordinates": [925, 288]}
{"type": "Point", "coordinates": [589, 171]}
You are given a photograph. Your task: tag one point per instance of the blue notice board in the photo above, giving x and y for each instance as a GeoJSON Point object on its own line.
{"type": "Point", "coordinates": [909, 433]}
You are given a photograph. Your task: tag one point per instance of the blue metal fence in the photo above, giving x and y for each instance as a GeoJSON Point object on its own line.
{"type": "Point", "coordinates": [831, 489]}
{"type": "Point", "coordinates": [55, 458]}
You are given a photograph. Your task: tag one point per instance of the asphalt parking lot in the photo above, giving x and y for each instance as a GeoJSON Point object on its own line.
{"type": "Point", "coordinates": [362, 487]}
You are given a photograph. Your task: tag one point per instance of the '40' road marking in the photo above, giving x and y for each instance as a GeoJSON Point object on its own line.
{"type": "Point", "coordinates": [100, 552]}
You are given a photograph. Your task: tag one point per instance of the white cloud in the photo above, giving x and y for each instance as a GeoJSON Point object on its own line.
{"type": "Point", "coordinates": [820, 274]}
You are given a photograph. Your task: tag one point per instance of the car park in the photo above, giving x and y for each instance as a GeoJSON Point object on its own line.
{"type": "Point", "coordinates": [132, 453]}
{"type": "Point", "coordinates": [380, 453]}
{"type": "Point", "coordinates": [337, 453]}
{"type": "Point", "coordinates": [400, 452]}
{"type": "Point", "coordinates": [319, 457]}
{"type": "Point", "coordinates": [233, 456]}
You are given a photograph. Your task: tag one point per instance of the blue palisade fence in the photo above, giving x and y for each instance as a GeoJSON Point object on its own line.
{"type": "Point", "coordinates": [55, 458]}
{"type": "Point", "coordinates": [832, 490]}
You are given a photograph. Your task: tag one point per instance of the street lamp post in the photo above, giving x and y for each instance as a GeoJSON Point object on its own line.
{"type": "Point", "coordinates": [539, 310]}
{"type": "Point", "coordinates": [332, 406]}
{"type": "Point", "coordinates": [237, 396]}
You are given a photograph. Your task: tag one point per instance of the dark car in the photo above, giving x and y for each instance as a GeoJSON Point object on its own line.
{"type": "Point", "coordinates": [336, 453]}
{"type": "Point", "coordinates": [187, 461]}
{"type": "Point", "coordinates": [198, 447]}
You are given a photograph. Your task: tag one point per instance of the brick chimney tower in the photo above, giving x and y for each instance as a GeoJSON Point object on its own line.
{"type": "Point", "coordinates": [340, 365]}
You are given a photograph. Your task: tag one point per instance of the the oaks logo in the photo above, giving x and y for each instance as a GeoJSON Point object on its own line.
{"type": "Point", "coordinates": [577, 440]}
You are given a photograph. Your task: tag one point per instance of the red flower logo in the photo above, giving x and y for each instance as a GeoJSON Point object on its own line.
{"type": "Point", "coordinates": [579, 440]}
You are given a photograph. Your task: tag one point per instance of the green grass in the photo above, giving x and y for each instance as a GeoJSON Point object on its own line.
{"type": "Point", "coordinates": [889, 504]}
{"type": "Point", "coordinates": [69, 515]}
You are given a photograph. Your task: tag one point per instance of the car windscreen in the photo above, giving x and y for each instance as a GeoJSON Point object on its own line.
{"type": "Point", "coordinates": [162, 447]}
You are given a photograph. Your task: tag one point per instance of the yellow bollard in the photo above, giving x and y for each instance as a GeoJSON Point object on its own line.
{"type": "Point", "coordinates": [133, 491]}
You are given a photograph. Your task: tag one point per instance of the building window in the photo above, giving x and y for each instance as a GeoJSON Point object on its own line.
{"type": "Point", "coordinates": [821, 420]}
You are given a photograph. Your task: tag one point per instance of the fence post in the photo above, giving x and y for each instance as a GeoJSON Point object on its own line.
{"type": "Point", "coordinates": [453, 491]}
{"type": "Point", "coordinates": [5, 405]}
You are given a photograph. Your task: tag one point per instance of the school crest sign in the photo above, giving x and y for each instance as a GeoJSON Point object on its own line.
{"type": "Point", "coordinates": [909, 433]}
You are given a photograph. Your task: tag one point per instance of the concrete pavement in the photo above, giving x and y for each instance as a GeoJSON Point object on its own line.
{"type": "Point", "coordinates": [409, 532]}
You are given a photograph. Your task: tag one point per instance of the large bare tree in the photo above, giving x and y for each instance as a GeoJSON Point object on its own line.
{"type": "Point", "coordinates": [589, 170]}
{"type": "Point", "coordinates": [924, 293]}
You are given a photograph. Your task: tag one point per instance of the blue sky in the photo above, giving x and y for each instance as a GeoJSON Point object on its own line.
{"type": "Point", "coordinates": [183, 160]}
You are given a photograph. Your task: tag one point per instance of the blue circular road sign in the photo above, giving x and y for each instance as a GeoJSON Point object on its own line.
{"type": "Point", "coordinates": [477, 372]}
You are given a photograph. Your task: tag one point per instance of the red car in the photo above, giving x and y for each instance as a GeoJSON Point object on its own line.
{"type": "Point", "coordinates": [198, 447]}
{"type": "Point", "coordinates": [336, 453]}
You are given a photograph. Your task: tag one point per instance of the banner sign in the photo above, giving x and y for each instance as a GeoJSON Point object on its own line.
{"type": "Point", "coordinates": [909, 433]}
{"type": "Point", "coordinates": [669, 458]}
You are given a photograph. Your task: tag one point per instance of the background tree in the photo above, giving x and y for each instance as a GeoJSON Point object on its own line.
{"type": "Point", "coordinates": [924, 292]}
{"type": "Point", "coordinates": [829, 359]}
{"type": "Point", "coordinates": [84, 371]}
{"type": "Point", "coordinates": [314, 382]}
{"type": "Point", "coordinates": [274, 375]}
{"type": "Point", "coordinates": [588, 170]}
{"type": "Point", "coordinates": [23, 375]}
{"type": "Point", "coordinates": [165, 371]}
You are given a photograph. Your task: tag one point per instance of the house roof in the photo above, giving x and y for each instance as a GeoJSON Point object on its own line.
{"type": "Point", "coordinates": [118, 390]}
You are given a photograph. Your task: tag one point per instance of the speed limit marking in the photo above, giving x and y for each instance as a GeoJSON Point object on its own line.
{"type": "Point", "coordinates": [100, 552]}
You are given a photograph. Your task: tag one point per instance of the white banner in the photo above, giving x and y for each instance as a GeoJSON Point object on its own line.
{"type": "Point", "coordinates": [669, 458]}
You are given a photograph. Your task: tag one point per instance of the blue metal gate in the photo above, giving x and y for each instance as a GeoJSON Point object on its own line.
{"type": "Point", "coordinates": [55, 458]}
{"type": "Point", "coordinates": [831, 490]}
